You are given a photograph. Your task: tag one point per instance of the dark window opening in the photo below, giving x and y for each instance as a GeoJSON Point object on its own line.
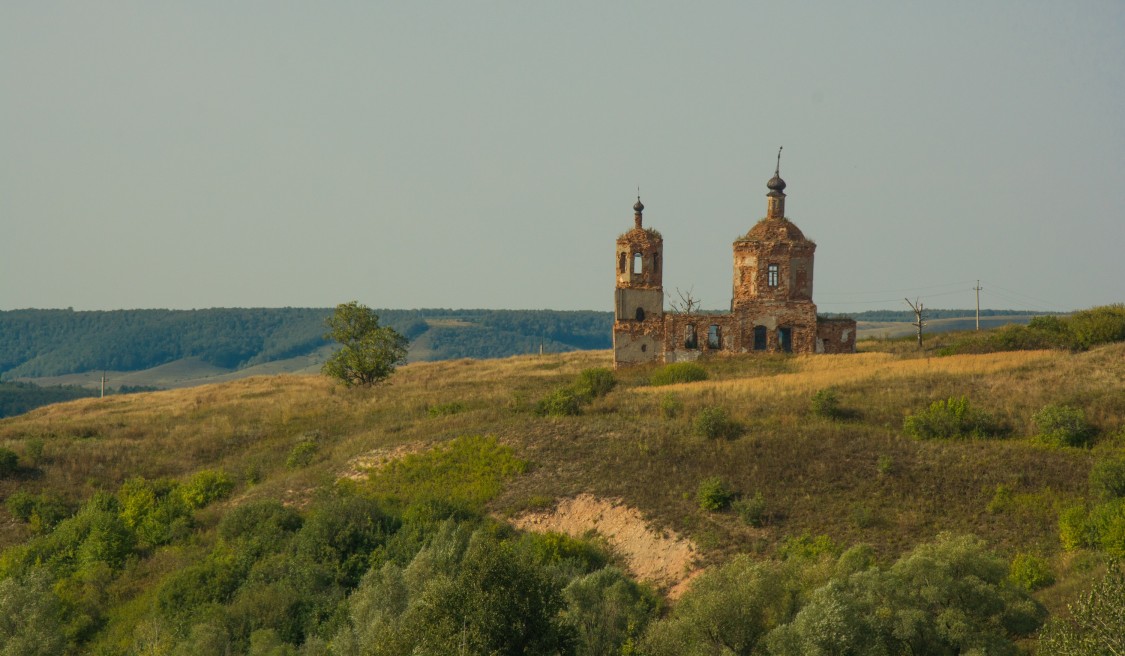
{"type": "Point", "coordinates": [772, 275]}
{"type": "Point", "coordinates": [640, 314]}
{"type": "Point", "coordinates": [759, 338]}
{"type": "Point", "coordinates": [638, 263]}
{"type": "Point", "coordinates": [690, 340]}
{"type": "Point", "coordinates": [785, 339]}
{"type": "Point", "coordinates": [621, 263]}
{"type": "Point", "coordinates": [644, 347]}
{"type": "Point", "coordinates": [714, 337]}
{"type": "Point", "coordinates": [655, 262]}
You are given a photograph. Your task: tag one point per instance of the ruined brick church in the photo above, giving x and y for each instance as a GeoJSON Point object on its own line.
{"type": "Point", "coordinates": [771, 309]}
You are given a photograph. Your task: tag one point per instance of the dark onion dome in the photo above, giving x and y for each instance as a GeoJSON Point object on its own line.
{"type": "Point", "coordinates": [639, 207]}
{"type": "Point", "coordinates": [776, 183]}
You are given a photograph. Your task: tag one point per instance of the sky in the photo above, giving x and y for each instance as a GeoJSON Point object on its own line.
{"type": "Point", "coordinates": [488, 154]}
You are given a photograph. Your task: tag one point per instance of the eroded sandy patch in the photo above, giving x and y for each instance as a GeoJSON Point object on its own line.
{"type": "Point", "coordinates": [662, 558]}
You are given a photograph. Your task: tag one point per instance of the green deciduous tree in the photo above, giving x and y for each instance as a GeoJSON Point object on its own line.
{"type": "Point", "coordinates": [369, 352]}
{"type": "Point", "coordinates": [1096, 624]}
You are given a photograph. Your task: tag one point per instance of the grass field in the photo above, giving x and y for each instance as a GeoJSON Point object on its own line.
{"type": "Point", "coordinates": [855, 478]}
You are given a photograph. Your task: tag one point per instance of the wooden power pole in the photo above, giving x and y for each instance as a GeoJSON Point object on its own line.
{"type": "Point", "coordinates": [917, 307]}
{"type": "Point", "coordinates": [978, 288]}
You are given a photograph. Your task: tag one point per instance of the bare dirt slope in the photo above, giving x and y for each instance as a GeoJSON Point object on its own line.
{"type": "Point", "coordinates": [658, 557]}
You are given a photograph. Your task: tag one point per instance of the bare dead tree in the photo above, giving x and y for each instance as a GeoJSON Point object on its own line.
{"type": "Point", "coordinates": [686, 304]}
{"type": "Point", "coordinates": [918, 318]}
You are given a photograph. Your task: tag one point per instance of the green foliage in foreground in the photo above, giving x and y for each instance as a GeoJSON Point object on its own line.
{"type": "Point", "coordinates": [678, 372]}
{"type": "Point", "coordinates": [950, 418]}
{"type": "Point", "coordinates": [951, 596]}
{"type": "Point", "coordinates": [406, 563]}
{"type": "Point", "coordinates": [1096, 625]}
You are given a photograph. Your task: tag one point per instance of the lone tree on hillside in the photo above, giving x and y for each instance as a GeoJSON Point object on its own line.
{"type": "Point", "coordinates": [369, 352]}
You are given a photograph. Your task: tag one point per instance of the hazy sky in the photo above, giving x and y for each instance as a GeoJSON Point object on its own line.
{"type": "Point", "coordinates": [487, 154]}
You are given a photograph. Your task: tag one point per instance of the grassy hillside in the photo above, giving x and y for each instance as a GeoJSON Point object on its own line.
{"type": "Point", "coordinates": [844, 475]}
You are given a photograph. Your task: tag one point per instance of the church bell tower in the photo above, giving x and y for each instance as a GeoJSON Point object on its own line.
{"type": "Point", "coordinates": [638, 320]}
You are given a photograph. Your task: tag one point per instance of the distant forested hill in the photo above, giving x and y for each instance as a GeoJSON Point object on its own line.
{"type": "Point", "coordinates": [908, 315]}
{"type": "Point", "coordinates": [39, 343]}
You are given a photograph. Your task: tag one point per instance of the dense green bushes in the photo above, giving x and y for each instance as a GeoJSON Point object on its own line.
{"type": "Point", "coordinates": [950, 418]}
{"type": "Point", "coordinates": [1107, 478]}
{"type": "Point", "coordinates": [1096, 623]}
{"type": "Point", "coordinates": [1062, 425]}
{"type": "Point", "coordinates": [1080, 331]}
{"type": "Point", "coordinates": [949, 596]}
{"type": "Point", "coordinates": [9, 462]}
{"type": "Point", "coordinates": [714, 494]}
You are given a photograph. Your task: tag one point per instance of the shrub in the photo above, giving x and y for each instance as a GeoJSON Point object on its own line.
{"type": "Point", "coordinates": [951, 418]}
{"type": "Point", "coordinates": [1001, 499]}
{"type": "Point", "coordinates": [826, 403]}
{"type": "Point", "coordinates": [205, 487]}
{"type": "Point", "coordinates": [595, 383]}
{"type": "Point", "coordinates": [885, 465]}
{"type": "Point", "coordinates": [442, 409]}
{"type": "Point", "coordinates": [752, 510]}
{"type": "Point", "coordinates": [1062, 425]}
{"type": "Point", "coordinates": [1030, 572]}
{"type": "Point", "coordinates": [1098, 325]}
{"type": "Point", "coordinates": [302, 454]}
{"type": "Point", "coordinates": [1107, 478]}
{"type": "Point", "coordinates": [562, 402]}
{"type": "Point", "coordinates": [9, 462]}
{"type": "Point", "coordinates": [34, 450]}
{"type": "Point", "coordinates": [714, 422]}
{"type": "Point", "coordinates": [678, 372]}
{"type": "Point", "coordinates": [807, 547]}
{"type": "Point", "coordinates": [1101, 527]}
{"type": "Point", "coordinates": [713, 494]}
{"type": "Point", "coordinates": [1088, 628]}
{"type": "Point", "coordinates": [42, 511]}
{"type": "Point", "coordinates": [671, 406]}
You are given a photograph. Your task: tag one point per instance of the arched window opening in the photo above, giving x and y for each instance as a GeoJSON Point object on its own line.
{"type": "Point", "coordinates": [640, 314]}
{"type": "Point", "coordinates": [621, 263]}
{"type": "Point", "coordinates": [690, 340]}
{"type": "Point", "coordinates": [714, 337]}
{"type": "Point", "coordinates": [655, 262]}
{"type": "Point", "coordinates": [772, 276]}
{"type": "Point", "coordinates": [638, 263]}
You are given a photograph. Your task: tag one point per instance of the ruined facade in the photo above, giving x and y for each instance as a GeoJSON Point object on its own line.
{"type": "Point", "coordinates": [771, 307]}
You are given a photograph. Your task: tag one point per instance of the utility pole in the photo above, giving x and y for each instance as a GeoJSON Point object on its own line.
{"type": "Point", "coordinates": [978, 288]}
{"type": "Point", "coordinates": [918, 318]}
{"type": "Point", "coordinates": [103, 385]}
